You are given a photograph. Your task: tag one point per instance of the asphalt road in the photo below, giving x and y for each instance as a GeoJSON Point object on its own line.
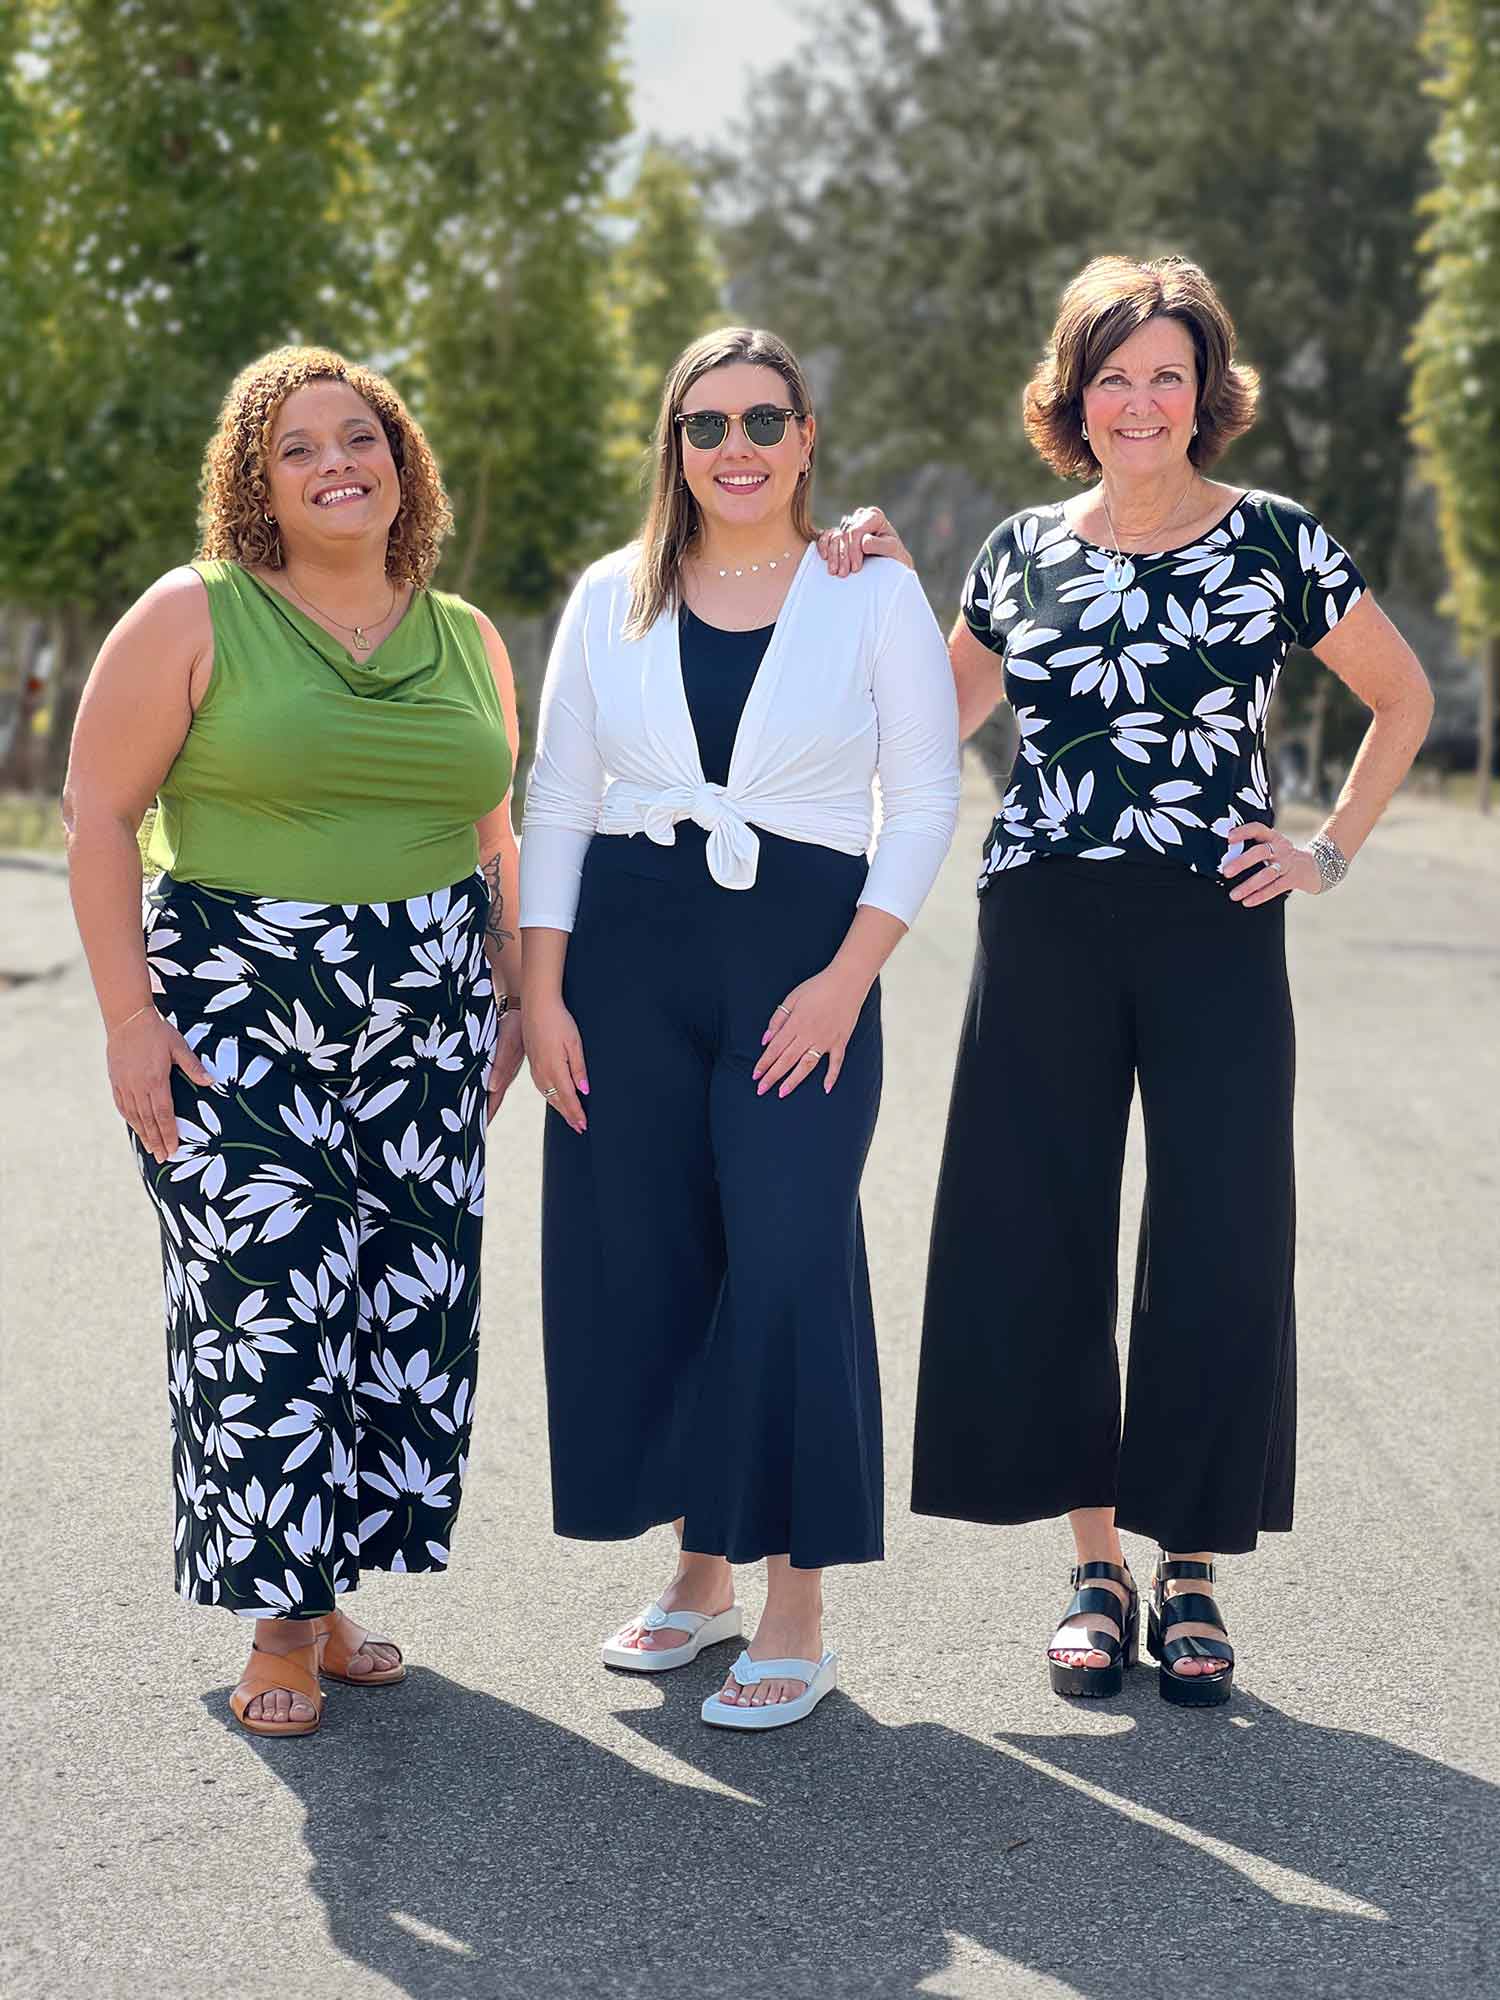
{"type": "Point", "coordinates": [514, 1823]}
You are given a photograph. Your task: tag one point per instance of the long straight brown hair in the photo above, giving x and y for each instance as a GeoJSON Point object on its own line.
{"type": "Point", "coordinates": [672, 521]}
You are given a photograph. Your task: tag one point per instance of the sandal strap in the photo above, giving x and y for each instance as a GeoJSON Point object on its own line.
{"type": "Point", "coordinates": [1194, 1648]}
{"type": "Point", "coordinates": [1081, 1572]}
{"type": "Point", "coordinates": [296, 1672]}
{"type": "Point", "coordinates": [655, 1619]}
{"type": "Point", "coordinates": [1191, 1608]}
{"type": "Point", "coordinates": [747, 1671]}
{"type": "Point", "coordinates": [1173, 1572]}
{"type": "Point", "coordinates": [1099, 1603]}
{"type": "Point", "coordinates": [338, 1653]}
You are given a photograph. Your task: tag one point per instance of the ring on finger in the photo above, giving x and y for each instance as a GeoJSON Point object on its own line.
{"type": "Point", "coordinates": [550, 1091]}
{"type": "Point", "coordinates": [782, 1010]}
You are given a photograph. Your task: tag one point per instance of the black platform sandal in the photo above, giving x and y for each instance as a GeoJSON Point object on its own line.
{"type": "Point", "coordinates": [1121, 1653]}
{"type": "Point", "coordinates": [1192, 1607]}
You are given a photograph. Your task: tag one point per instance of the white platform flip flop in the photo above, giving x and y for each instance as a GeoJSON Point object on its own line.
{"type": "Point", "coordinates": [702, 1631]}
{"type": "Point", "coordinates": [821, 1677]}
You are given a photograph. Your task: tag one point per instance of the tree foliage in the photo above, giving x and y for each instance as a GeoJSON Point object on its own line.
{"type": "Point", "coordinates": [500, 122]}
{"type": "Point", "coordinates": [668, 278]}
{"type": "Point", "coordinates": [1456, 382]}
{"type": "Point", "coordinates": [185, 209]}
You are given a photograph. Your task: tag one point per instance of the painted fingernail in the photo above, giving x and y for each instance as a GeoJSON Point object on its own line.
{"type": "Point", "coordinates": [583, 1085]}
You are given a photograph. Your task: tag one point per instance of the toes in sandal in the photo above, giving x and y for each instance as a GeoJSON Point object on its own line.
{"type": "Point", "coordinates": [701, 1631]}
{"type": "Point", "coordinates": [1121, 1652]}
{"type": "Point", "coordinates": [1189, 1607]}
{"type": "Point", "coordinates": [295, 1672]}
{"type": "Point", "coordinates": [335, 1654]}
{"type": "Point", "coordinates": [821, 1677]}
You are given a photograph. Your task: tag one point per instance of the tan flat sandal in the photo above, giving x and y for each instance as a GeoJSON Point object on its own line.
{"type": "Point", "coordinates": [296, 1672]}
{"type": "Point", "coordinates": [335, 1653]}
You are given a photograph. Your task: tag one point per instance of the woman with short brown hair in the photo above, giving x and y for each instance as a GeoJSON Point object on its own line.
{"type": "Point", "coordinates": [1133, 897]}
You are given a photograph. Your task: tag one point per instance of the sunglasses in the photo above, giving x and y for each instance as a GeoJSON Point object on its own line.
{"type": "Point", "coordinates": [706, 430]}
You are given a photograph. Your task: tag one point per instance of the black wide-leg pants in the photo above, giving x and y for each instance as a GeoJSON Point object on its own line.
{"type": "Point", "coordinates": [709, 1341]}
{"type": "Point", "coordinates": [1091, 978]}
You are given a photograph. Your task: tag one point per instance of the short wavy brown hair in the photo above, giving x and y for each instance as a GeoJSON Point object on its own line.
{"type": "Point", "coordinates": [235, 497]}
{"type": "Point", "coordinates": [1110, 299]}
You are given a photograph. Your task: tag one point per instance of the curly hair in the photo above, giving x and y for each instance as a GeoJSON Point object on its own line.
{"type": "Point", "coordinates": [1110, 299]}
{"type": "Point", "coordinates": [233, 511]}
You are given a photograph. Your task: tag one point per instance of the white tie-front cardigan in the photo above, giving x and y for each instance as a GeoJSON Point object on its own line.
{"type": "Point", "coordinates": [855, 685]}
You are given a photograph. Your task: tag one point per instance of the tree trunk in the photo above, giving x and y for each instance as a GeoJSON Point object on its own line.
{"type": "Point", "coordinates": [71, 660]}
{"type": "Point", "coordinates": [1317, 716]}
{"type": "Point", "coordinates": [1489, 669]}
{"type": "Point", "coordinates": [19, 770]}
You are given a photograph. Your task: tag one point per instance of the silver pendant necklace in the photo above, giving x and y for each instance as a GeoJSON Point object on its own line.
{"type": "Point", "coordinates": [362, 640]}
{"type": "Point", "coordinates": [1119, 571]}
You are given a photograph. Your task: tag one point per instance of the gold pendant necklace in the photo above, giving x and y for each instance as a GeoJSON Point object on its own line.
{"type": "Point", "coordinates": [362, 640]}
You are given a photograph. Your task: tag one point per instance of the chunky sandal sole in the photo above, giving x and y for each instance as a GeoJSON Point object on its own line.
{"type": "Point", "coordinates": [1099, 1683]}
{"type": "Point", "coordinates": [1187, 1690]}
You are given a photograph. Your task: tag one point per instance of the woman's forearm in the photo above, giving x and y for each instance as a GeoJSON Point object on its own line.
{"type": "Point", "coordinates": [543, 956]}
{"type": "Point", "coordinates": [1383, 759]}
{"type": "Point", "coordinates": [104, 881]}
{"type": "Point", "coordinates": [502, 942]}
{"type": "Point", "coordinates": [868, 943]}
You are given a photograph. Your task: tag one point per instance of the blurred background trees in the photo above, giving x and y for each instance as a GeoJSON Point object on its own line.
{"type": "Point", "coordinates": [451, 189]}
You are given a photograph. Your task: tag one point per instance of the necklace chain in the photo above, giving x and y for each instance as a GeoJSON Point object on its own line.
{"type": "Point", "coordinates": [754, 568]}
{"type": "Point", "coordinates": [1117, 567]}
{"type": "Point", "coordinates": [362, 641]}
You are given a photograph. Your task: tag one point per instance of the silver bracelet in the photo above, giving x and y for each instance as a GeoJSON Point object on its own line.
{"type": "Point", "coordinates": [1332, 862]}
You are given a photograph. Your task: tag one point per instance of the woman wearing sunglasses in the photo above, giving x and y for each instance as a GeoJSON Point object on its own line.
{"type": "Point", "coordinates": [703, 935]}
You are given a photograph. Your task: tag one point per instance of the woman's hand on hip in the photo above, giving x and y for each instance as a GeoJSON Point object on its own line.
{"type": "Point", "coordinates": [554, 1049]}
{"type": "Point", "coordinates": [140, 1055]}
{"type": "Point", "coordinates": [865, 532]}
{"type": "Point", "coordinates": [506, 1061]}
{"type": "Point", "coordinates": [815, 1020]}
{"type": "Point", "coordinates": [1271, 866]}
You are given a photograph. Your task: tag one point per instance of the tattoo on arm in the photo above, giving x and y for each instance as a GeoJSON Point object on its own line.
{"type": "Point", "coordinates": [493, 926]}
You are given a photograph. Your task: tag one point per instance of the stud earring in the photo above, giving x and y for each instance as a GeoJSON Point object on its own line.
{"type": "Point", "coordinates": [1195, 427]}
{"type": "Point", "coordinates": [272, 519]}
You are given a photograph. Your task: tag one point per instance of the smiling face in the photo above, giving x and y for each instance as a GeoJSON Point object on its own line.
{"type": "Point", "coordinates": [331, 475]}
{"type": "Point", "coordinates": [1140, 405]}
{"type": "Point", "coordinates": [739, 485]}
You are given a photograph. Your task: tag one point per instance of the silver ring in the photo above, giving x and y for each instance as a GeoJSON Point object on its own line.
{"type": "Point", "coordinates": [1277, 866]}
{"type": "Point", "coordinates": [782, 1010]}
{"type": "Point", "coordinates": [550, 1091]}
{"type": "Point", "coordinates": [816, 1054]}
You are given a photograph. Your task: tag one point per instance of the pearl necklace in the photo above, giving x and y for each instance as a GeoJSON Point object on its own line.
{"type": "Point", "coordinates": [1114, 576]}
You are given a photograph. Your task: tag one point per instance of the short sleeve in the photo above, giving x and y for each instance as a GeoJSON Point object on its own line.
{"type": "Point", "coordinates": [991, 603]}
{"type": "Point", "coordinates": [1323, 582]}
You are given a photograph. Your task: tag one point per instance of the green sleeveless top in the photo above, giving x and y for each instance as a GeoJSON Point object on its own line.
{"type": "Point", "coordinates": [312, 776]}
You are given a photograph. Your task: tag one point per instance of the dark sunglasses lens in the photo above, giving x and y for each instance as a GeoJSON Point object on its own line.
{"type": "Point", "coordinates": [706, 430]}
{"type": "Point", "coordinates": [765, 425]}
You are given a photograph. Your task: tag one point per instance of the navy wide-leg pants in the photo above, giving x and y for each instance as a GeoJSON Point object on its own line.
{"type": "Point", "coordinates": [710, 1346]}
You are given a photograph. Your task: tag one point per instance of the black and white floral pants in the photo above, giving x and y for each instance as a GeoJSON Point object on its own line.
{"type": "Point", "coordinates": [320, 1226]}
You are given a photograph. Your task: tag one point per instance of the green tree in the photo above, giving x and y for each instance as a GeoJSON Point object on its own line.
{"type": "Point", "coordinates": [500, 121]}
{"type": "Point", "coordinates": [191, 175]}
{"type": "Point", "coordinates": [1456, 384]}
{"type": "Point", "coordinates": [668, 278]}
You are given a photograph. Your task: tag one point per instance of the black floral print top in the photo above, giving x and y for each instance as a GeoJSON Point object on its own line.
{"type": "Point", "coordinates": [1141, 683]}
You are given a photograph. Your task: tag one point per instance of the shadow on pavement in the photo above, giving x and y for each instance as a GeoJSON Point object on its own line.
{"type": "Point", "coordinates": [467, 1850]}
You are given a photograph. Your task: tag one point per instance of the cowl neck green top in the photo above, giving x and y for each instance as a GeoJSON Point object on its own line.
{"type": "Point", "coordinates": [311, 776]}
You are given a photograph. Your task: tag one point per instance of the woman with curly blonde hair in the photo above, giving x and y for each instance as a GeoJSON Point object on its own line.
{"type": "Point", "coordinates": [302, 1034]}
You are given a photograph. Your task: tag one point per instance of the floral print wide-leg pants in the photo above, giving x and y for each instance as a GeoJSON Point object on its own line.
{"type": "Point", "coordinates": [320, 1225]}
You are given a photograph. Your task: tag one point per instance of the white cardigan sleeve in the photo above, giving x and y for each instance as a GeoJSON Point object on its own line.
{"type": "Point", "coordinates": [566, 782]}
{"type": "Point", "coordinates": [918, 760]}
